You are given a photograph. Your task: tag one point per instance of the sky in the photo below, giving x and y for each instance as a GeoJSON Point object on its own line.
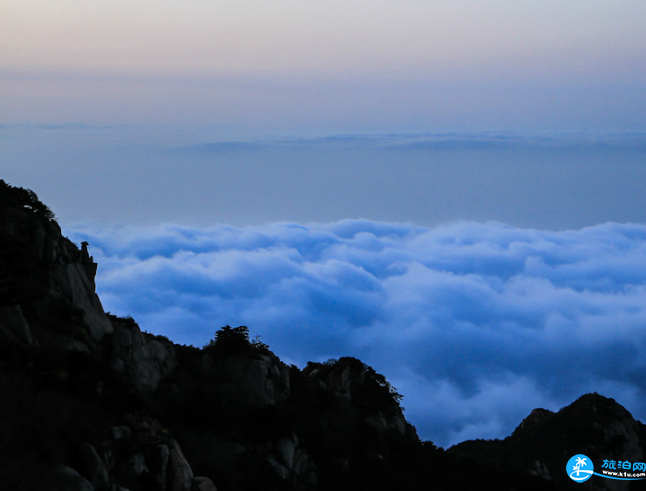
{"type": "Point", "coordinates": [450, 191]}
{"type": "Point", "coordinates": [344, 66]}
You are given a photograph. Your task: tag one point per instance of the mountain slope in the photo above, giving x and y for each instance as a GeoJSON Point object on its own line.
{"type": "Point", "coordinates": [90, 400]}
{"type": "Point", "coordinates": [593, 425]}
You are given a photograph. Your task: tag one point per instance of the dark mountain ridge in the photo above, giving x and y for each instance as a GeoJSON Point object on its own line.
{"type": "Point", "coordinates": [90, 402]}
{"type": "Point", "coordinates": [593, 425]}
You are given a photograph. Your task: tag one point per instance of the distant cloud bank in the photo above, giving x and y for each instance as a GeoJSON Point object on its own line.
{"type": "Point", "coordinates": [475, 324]}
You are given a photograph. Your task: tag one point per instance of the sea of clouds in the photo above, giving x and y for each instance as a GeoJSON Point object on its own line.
{"type": "Point", "coordinates": [475, 324]}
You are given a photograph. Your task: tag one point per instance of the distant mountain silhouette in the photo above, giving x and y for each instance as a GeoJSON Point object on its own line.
{"type": "Point", "coordinates": [593, 425]}
{"type": "Point", "coordinates": [90, 402]}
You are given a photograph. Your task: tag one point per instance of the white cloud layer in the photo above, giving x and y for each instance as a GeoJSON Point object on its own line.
{"type": "Point", "coordinates": [475, 324]}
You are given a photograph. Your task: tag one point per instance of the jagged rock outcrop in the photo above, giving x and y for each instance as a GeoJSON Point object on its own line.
{"type": "Point", "coordinates": [62, 359]}
{"type": "Point", "coordinates": [141, 362]}
{"type": "Point", "coordinates": [593, 425]}
{"type": "Point", "coordinates": [258, 381]}
{"type": "Point", "coordinates": [355, 383]}
{"type": "Point", "coordinates": [241, 414]}
{"type": "Point", "coordinates": [143, 457]}
{"type": "Point", "coordinates": [292, 461]}
{"type": "Point", "coordinates": [536, 417]}
{"type": "Point", "coordinates": [47, 283]}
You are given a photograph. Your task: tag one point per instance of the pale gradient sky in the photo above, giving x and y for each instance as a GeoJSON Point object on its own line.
{"type": "Point", "coordinates": [330, 65]}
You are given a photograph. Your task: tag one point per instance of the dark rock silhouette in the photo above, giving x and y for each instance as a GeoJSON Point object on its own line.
{"type": "Point", "coordinates": [593, 425]}
{"type": "Point", "coordinates": [90, 402]}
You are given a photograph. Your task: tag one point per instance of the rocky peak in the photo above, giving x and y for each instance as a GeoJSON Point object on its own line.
{"type": "Point", "coordinates": [351, 380]}
{"type": "Point", "coordinates": [47, 288]}
{"type": "Point", "coordinates": [536, 417]}
{"type": "Point", "coordinates": [246, 372]}
{"type": "Point", "coordinates": [140, 361]}
{"type": "Point", "coordinates": [358, 385]}
{"type": "Point", "coordinates": [69, 372]}
{"type": "Point", "coordinates": [542, 444]}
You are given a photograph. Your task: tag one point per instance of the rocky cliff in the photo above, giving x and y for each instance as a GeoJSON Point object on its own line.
{"type": "Point", "coordinates": [89, 401]}
{"type": "Point", "coordinates": [70, 375]}
{"type": "Point", "coordinates": [47, 289]}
